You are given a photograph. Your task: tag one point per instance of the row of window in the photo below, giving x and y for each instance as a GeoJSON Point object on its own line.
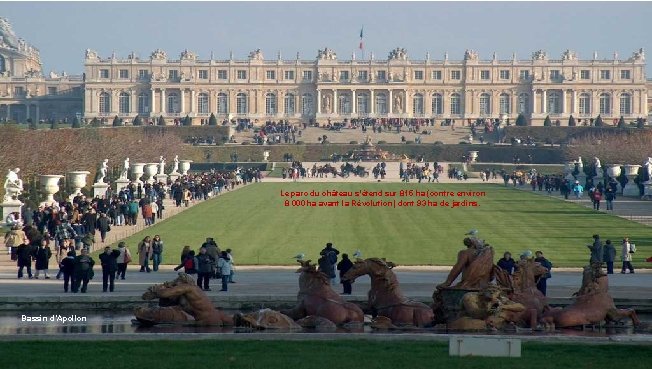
{"type": "Point", "coordinates": [222, 74]}
{"type": "Point", "coordinates": [173, 105]}
{"type": "Point", "coordinates": [553, 104]}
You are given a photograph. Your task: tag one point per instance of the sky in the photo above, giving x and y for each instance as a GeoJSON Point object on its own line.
{"type": "Point", "coordinates": [62, 31]}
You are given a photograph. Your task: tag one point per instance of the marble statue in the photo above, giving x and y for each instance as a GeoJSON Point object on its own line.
{"type": "Point", "coordinates": [188, 55]}
{"type": "Point", "coordinates": [398, 54]}
{"type": "Point", "coordinates": [125, 169]}
{"type": "Point", "coordinates": [7, 34]}
{"type": "Point", "coordinates": [256, 55]}
{"type": "Point", "coordinates": [470, 55]}
{"type": "Point", "coordinates": [91, 54]}
{"type": "Point", "coordinates": [596, 162]}
{"type": "Point", "coordinates": [569, 55]}
{"type": "Point", "coordinates": [104, 168]}
{"type": "Point", "coordinates": [326, 54]}
{"type": "Point", "coordinates": [327, 104]}
{"type": "Point", "coordinates": [398, 104]}
{"type": "Point", "coordinates": [159, 54]}
{"type": "Point", "coordinates": [13, 185]}
{"type": "Point", "coordinates": [539, 55]}
{"type": "Point", "coordinates": [176, 164]}
{"type": "Point", "coordinates": [648, 168]}
{"type": "Point", "coordinates": [161, 165]}
{"type": "Point", "coordinates": [580, 164]}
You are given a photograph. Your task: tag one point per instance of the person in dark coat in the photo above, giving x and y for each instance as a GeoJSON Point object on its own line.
{"type": "Point", "coordinates": [43, 255]}
{"type": "Point", "coordinates": [67, 266]}
{"type": "Point", "coordinates": [24, 254]}
{"type": "Point", "coordinates": [507, 263]}
{"type": "Point", "coordinates": [609, 256]}
{"type": "Point", "coordinates": [109, 261]}
{"type": "Point", "coordinates": [331, 255]}
{"type": "Point", "coordinates": [344, 266]}
{"type": "Point", "coordinates": [205, 269]}
{"type": "Point", "coordinates": [103, 225]}
{"type": "Point", "coordinates": [597, 252]}
{"type": "Point", "coordinates": [83, 271]}
{"type": "Point", "coordinates": [542, 282]}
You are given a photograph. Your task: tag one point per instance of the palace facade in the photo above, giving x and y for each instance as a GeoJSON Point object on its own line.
{"type": "Point", "coordinates": [324, 88]}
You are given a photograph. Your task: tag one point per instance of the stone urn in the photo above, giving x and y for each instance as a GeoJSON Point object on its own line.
{"type": "Point", "coordinates": [473, 155]}
{"type": "Point", "coordinates": [150, 171]}
{"type": "Point", "coordinates": [77, 180]}
{"type": "Point", "coordinates": [631, 188]}
{"type": "Point", "coordinates": [184, 165]}
{"type": "Point", "coordinates": [614, 171]}
{"type": "Point", "coordinates": [137, 171]}
{"type": "Point", "coordinates": [50, 186]}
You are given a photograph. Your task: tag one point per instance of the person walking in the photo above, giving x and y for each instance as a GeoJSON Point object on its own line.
{"type": "Point", "coordinates": [189, 262]}
{"type": "Point", "coordinates": [224, 266]}
{"type": "Point", "coordinates": [331, 258]}
{"type": "Point", "coordinates": [83, 271]}
{"type": "Point", "coordinates": [344, 266]}
{"type": "Point", "coordinates": [609, 256]}
{"type": "Point", "coordinates": [597, 197]}
{"type": "Point", "coordinates": [24, 254]}
{"type": "Point", "coordinates": [205, 266]}
{"type": "Point", "coordinates": [610, 196]}
{"type": "Point", "coordinates": [103, 225]}
{"type": "Point", "coordinates": [578, 189]}
{"type": "Point", "coordinates": [542, 282]}
{"type": "Point", "coordinates": [67, 266]}
{"type": "Point", "coordinates": [42, 257]}
{"type": "Point", "coordinates": [109, 261]}
{"type": "Point", "coordinates": [626, 256]}
{"type": "Point", "coordinates": [597, 252]}
{"type": "Point", "coordinates": [144, 254]}
{"type": "Point", "coordinates": [157, 252]}
{"type": "Point", "coordinates": [123, 260]}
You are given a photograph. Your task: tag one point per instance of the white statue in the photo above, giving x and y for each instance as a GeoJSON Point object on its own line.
{"type": "Point", "coordinates": [648, 168]}
{"type": "Point", "coordinates": [176, 164]}
{"type": "Point", "coordinates": [580, 164]}
{"type": "Point", "coordinates": [596, 162]}
{"type": "Point", "coordinates": [13, 185]}
{"type": "Point", "coordinates": [104, 168]}
{"type": "Point", "coordinates": [125, 169]}
{"type": "Point", "coordinates": [161, 165]}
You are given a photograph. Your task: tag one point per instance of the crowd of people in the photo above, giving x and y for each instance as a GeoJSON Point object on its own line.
{"type": "Point", "coordinates": [420, 172]}
{"type": "Point", "coordinates": [208, 263]}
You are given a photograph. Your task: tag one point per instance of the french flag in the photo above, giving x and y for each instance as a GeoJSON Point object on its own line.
{"type": "Point", "coordinates": [361, 35]}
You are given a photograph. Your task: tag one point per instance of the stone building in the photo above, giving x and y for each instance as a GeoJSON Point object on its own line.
{"type": "Point", "coordinates": [396, 87]}
{"type": "Point", "coordinates": [324, 88]}
{"type": "Point", "coordinates": [25, 93]}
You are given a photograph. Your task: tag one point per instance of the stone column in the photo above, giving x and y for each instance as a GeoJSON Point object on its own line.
{"type": "Point", "coordinates": [193, 101]}
{"type": "Point", "coordinates": [133, 107]}
{"type": "Point", "coordinates": [162, 101]}
{"type": "Point", "coordinates": [318, 101]}
{"type": "Point", "coordinates": [563, 101]}
{"type": "Point", "coordinates": [372, 102]}
{"type": "Point", "coordinates": [390, 104]}
{"type": "Point", "coordinates": [534, 101]}
{"type": "Point", "coordinates": [27, 110]}
{"type": "Point", "coordinates": [544, 107]}
{"type": "Point", "coordinates": [354, 102]}
{"type": "Point", "coordinates": [335, 102]}
{"type": "Point", "coordinates": [152, 108]}
{"type": "Point", "coordinates": [38, 113]}
{"type": "Point", "coordinates": [8, 111]}
{"type": "Point", "coordinates": [183, 101]}
{"type": "Point", "coordinates": [573, 109]}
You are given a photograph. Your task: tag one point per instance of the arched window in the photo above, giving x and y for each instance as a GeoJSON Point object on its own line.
{"type": "Point", "coordinates": [222, 103]}
{"type": "Point", "coordinates": [485, 104]}
{"type": "Point", "coordinates": [456, 104]}
{"type": "Point", "coordinates": [143, 103]}
{"type": "Point", "coordinates": [270, 104]}
{"type": "Point", "coordinates": [585, 104]}
{"type": "Point", "coordinates": [363, 103]}
{"type": "Point", "coordinates": [289, 104]}
{"type": "Point", "coordinates": [306, 104]}
{"type": "Point", "coordinates": [241, 103]}
{"type": "Point", "coordinates": [123, 103]}
{"type": "Point", "coordinates": [105, 103]}
{"type": "Point", "coordinates": [437, 104]}
{"type": "Point", "coordinates": [625, 104]}
{"type": "Point", "coordinates": [417, 104]}
{"type": "Point", "coordinates": [381, 104]}
{"type": "Point", "coordinates": [524, 103]}
{"type": "Point", "coordinates": [505, 104]}
{"type": "Point", "coordinates": [173, 103]}
{"type": "Point", "coordinates": [554, 103]}
{"type": "Point", "coordinates": [344, 103]}
{"type": "Point", "coordinates": [605, 103]}
{"type": "Point", "coordinates": [202, 103]}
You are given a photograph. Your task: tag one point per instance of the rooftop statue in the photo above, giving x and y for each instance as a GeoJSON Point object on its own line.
{"type": "Point", "coordinates": [256, 55]}
{"type": "Point", "coordinates": [91, 54]}
{"type": "Point", "coordinates": [568, 55]}
{"type": "Point", "coordinates": [188, 55]}
{"type": "Point", "coordinates": [398, 54]}
{"type": "Point", "coordinates": [470, 55]}
{"type": "Point", "coordinates": [539, 55]}
{"type": "Point", "coordinates": [8, 37]}
{"type": "Point", "coordinates": [326, 54]}
{"type": "Point", "coordinates": [158, 54]}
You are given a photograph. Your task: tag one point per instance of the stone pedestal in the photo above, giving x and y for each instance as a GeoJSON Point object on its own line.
{"type": "Point", "coordinates": [174, 176]}
{"type": "Point", "coordinates": [631, 188]}
{"type": "Point", "coordinates": [12, 206]}
{"type": "Point", "coordinates": [161, 178]}
{"type": "Point", "coordinates": [99, 189]}
{"type": "Point", "coordinates": [581, 178]}
{"type": "Point", "coordinates": [647, 192]}
{"type": "Point", "coordinates": [121, 183]}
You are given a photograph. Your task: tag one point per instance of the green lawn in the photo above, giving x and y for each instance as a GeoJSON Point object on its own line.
{"type": "Point", "coordinates": [305, 355]}
{"type": "Point", "coordinates": [260, 230]}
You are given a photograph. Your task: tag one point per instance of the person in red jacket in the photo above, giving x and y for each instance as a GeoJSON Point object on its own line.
{"type": "Point", "coordinates": [597, 197]}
